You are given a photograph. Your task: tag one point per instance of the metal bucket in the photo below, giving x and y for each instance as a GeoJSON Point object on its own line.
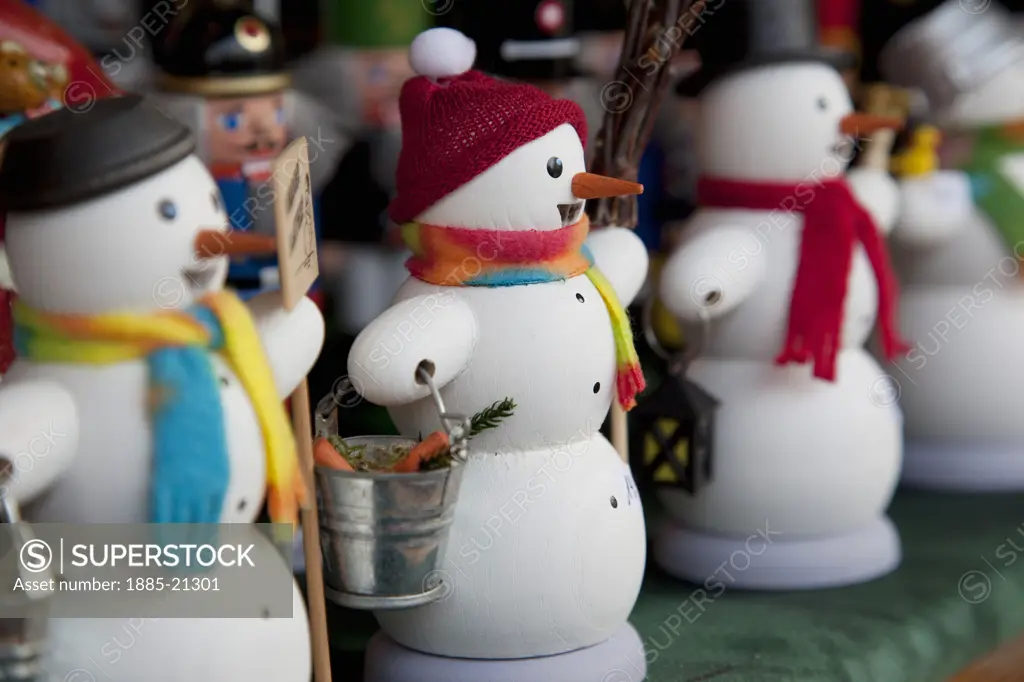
{"type": "Point", "coordinates": [383, 536]}
{"type": "Point", "coordinates": [24, 616]}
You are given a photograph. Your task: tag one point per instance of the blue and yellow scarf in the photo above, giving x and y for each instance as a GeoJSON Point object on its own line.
{"type": "Point", "coordinates": [190, 455]}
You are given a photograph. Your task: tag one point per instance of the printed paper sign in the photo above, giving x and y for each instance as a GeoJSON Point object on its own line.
{"type": "Point", "coordinates": [296, 233]}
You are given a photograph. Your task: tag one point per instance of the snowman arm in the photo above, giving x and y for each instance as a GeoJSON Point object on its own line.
{"type": "Point", "coordinates": [436, 330]}
{"type": "Point", "coordinates": [622, 258]}
{"type": "Point", "coordinates": [292, 339]}
{"type": "Point", "coordinates": [38, 436]}
{"type": "Point", "coordinates": [933, 208]}
{"type": "Point", "coordinates": [712, 272]}
{"type": "Point", "coordinates": [878, 193]}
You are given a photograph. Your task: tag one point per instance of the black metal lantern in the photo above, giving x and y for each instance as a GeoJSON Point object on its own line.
{"type": "Point", "coordinates": [672, 435]}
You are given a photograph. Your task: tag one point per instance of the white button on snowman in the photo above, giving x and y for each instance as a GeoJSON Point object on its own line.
{"type": "Point", "coordinates": [547, 546]}
{"type": "Point", "coordinates": [123, 240]}
{"type": "Point", "coordinates": [774, 280]}
{"type": "Point", "coordinates": [957, 252]}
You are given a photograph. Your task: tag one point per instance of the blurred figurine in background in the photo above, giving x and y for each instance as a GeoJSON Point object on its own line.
{"type": "Point", "coordinates": [530, 41]}
{"type": "Point", "coordinates": [358, 73]}
{"type": "Point", "coordinates": [957, 247]}
{"type": "Point", "coordinates": [115, 32]}
{"type": "Point", "coordinates": [41, 69]}
{"type": "Point", "coordinates": [602, 27]}
{"type": "Point", "coordinates": [222, 72]}
{"type": "Point", "coordinates": [29, 86]}
{"type": "Point", "coordinates": [839, 22]}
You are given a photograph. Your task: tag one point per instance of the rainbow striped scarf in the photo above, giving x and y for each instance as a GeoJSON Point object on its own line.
{"type": "Point", "coordinates": [453, 256]}
{"type": "Point", "coordinates": [190, 454]}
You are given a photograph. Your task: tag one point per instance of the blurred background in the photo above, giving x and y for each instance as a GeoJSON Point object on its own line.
{"type": "Point", "coordinates": [347, 60]}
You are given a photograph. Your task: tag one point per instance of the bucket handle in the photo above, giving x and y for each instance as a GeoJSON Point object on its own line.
{"type": "Point", "coordinates": [457, 426]}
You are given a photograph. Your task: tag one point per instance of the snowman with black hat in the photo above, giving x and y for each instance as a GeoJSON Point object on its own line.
{"type": "Point", "coordinates": [779, 278]}
{"type": "Point", "coordinates": [222, 71]}
{"type": "Point", "coordinates": [957, 248]}
{"type": "Point", "coordinates": [118, 244]}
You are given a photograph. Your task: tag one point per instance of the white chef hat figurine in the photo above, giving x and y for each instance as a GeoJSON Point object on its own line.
{"type": "Point", "coordinates": [957, 245]}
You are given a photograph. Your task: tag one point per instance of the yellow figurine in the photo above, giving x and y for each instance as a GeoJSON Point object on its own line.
{"type": "Point", "coordinates": [921, 157]}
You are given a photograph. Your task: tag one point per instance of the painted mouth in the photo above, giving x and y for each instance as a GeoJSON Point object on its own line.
{"type": "Point", "coordinates": [200, 277]}
{"type": "Point", "coordinates": [844, 148]}
{"type": "Point", "coordinates": [570, 213]}
{"type": "Point", "coordinates": [261, 147]}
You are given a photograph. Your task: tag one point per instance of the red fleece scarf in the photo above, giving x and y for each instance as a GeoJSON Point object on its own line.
{"type": "Point", "coordinates": [833, 222]}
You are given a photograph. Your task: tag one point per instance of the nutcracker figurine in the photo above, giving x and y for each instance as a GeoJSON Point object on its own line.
{"type": "Point", "coordinates": [42, 69]}
{"type": "Point", "coordinates": [839, 23]}
{"type": "Point", "coordinates": [222, 72]}
{"type": "Point", "coordinates": [532, 41]}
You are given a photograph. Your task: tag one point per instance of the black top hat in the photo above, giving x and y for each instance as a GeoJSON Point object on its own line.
{"type": "Point", "coordinates": [70, 156]}
{"type": "Point", "coordinates": [221, 49]}
{"type": "Point", "coordinates": [529, 40]}
{"type": "Point", "coordinates": [735, 35]}
{"type": "Point", "coordinates": [600, 16]}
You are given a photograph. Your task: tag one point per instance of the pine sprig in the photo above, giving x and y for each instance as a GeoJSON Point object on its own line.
{"type": "Point", "coordinates": [491, 417]}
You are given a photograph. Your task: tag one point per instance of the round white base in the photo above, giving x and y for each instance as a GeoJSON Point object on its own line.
{"type": "Point", "coordinates": [968, 468]}
{"type": "Point", "coordinates": [775, 562]}
{"type": "Point", "coordinates": [620, 659]}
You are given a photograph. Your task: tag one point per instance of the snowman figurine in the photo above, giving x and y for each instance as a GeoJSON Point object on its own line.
{"type": "Point", "coordinates": [778, 279]}
{"type": "Point", "coordinates": [957, 248]}
{"type": "Point", "coordinates": [116, 237]}
{"type": "Point", "coordinates": [547, 545]}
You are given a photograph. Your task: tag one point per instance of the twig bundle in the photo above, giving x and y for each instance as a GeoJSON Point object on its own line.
{"type": "Point", "coordinates": [655, 32]}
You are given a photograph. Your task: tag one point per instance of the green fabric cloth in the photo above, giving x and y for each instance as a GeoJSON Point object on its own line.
{"type": "Point", "coordinates": [912, 626]}
{"type": "Point", "coordinates": [378, 23]}
{"type": "Point", "coordinates": [981, 155]}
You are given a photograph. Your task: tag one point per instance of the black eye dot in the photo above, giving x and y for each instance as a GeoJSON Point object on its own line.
{"type": "Point", "coordinates": [822, 103]}
{"type": "Point", "coordinates": [168, 209]}
{"type": "Point", "coordinates": [554, 166]}
{"type": "Point", "coordinates": [579, 297]}
{"type": "Point", "coordinates": [265, 614]}
{"type": "Point", "coordinates": [615, 503]}
{"type": "Point", "coordinates": [215, 199]}
{"type": "Point", "coordinates": [224, 381]}
{"type": "Point", "coordinates": [597, 387]}
{"type": "Point", "coordinates": [241, 505]}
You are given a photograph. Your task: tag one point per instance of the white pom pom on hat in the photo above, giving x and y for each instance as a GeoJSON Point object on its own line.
{"type": "Point", "coordinates": [442, 53]}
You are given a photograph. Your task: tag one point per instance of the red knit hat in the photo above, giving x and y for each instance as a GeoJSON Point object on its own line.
{"type": "Point", "coordinates": [454, 129]}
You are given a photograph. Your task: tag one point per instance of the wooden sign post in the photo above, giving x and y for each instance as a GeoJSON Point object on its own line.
{"type": "Point", "coordinates": [298, 268]}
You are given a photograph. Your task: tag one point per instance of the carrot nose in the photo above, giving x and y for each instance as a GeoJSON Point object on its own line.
{"type": "Point", "coordinates": [591, 186]}
{"type": "Point", "coordinates": [864, 124]}
{"type": "Point", "coordinates": [214, 243]}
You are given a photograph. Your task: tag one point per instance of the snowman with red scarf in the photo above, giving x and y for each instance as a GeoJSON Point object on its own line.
{"type": "Point", "coordinates": [779, 279]}
{"type": "Point", "coordinates": [547, 546]}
